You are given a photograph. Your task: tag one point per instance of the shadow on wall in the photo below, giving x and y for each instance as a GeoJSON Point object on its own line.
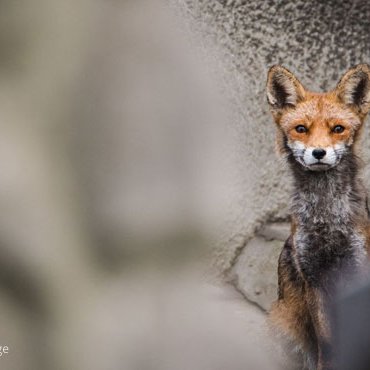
{"type": "Point", "coordinates": [135, 141]}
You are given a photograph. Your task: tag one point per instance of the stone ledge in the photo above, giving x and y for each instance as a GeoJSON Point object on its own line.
{"type": "Point", "coordinates": [255, 271]}
{"type": "Point", "coordinates": [275, 231]}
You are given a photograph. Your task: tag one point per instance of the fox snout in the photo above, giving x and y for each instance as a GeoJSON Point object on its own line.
{"type": "Point", "coordinates": [317, 158]}
{"type": "Point", "coordinates": [319, 153]}
{"type": "Point", "coordinates": [321, 158]}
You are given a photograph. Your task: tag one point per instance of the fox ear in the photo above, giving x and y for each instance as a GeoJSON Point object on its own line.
{"type": "Point", "coordinates": [283, 89]}
{"type": "Point", "coordinates": [354, 88]}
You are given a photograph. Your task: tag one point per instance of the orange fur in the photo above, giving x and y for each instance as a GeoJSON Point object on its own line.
{"type": "Point", "coordinates": [320, 113]}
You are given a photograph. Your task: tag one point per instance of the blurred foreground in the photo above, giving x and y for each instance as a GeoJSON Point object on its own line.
{"type": "Point", "coordinates": [111, 190]}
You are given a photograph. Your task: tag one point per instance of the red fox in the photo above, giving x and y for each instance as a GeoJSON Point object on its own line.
{"type": "Point", "coordinates": [318, 134]}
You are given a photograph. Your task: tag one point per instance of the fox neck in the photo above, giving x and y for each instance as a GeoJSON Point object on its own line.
{"type": "Point", "coordinates": [330, 213]}
{"type": "Point", "coordinates": [334, 197]}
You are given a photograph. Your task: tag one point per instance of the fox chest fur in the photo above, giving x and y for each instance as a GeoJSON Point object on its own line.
{"type": "Point", "coordinates": [329, 215]}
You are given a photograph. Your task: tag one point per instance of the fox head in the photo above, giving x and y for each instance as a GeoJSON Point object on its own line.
{"type": "Point", "coordinates": [318, 129]}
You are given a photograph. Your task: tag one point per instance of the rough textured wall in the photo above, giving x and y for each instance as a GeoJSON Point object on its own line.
{"type": "Point", "coordinates": [316, 40]}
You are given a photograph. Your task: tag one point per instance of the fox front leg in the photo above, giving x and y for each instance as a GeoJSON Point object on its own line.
{"type": "Point", "coordinates": [318, 304]}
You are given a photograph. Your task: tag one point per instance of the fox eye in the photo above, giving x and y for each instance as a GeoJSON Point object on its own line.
{"type": "Point", "coordinates": [301, 129]}
{"type": "Point", "coordinates": [338, 129]}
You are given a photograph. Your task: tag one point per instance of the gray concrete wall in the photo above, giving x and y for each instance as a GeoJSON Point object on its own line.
{"type": "Point", "coordinates": [316, 40]}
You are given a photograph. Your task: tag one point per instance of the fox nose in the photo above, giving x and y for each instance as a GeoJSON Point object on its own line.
{"type": "Point", "coordinates": [319, 153]}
